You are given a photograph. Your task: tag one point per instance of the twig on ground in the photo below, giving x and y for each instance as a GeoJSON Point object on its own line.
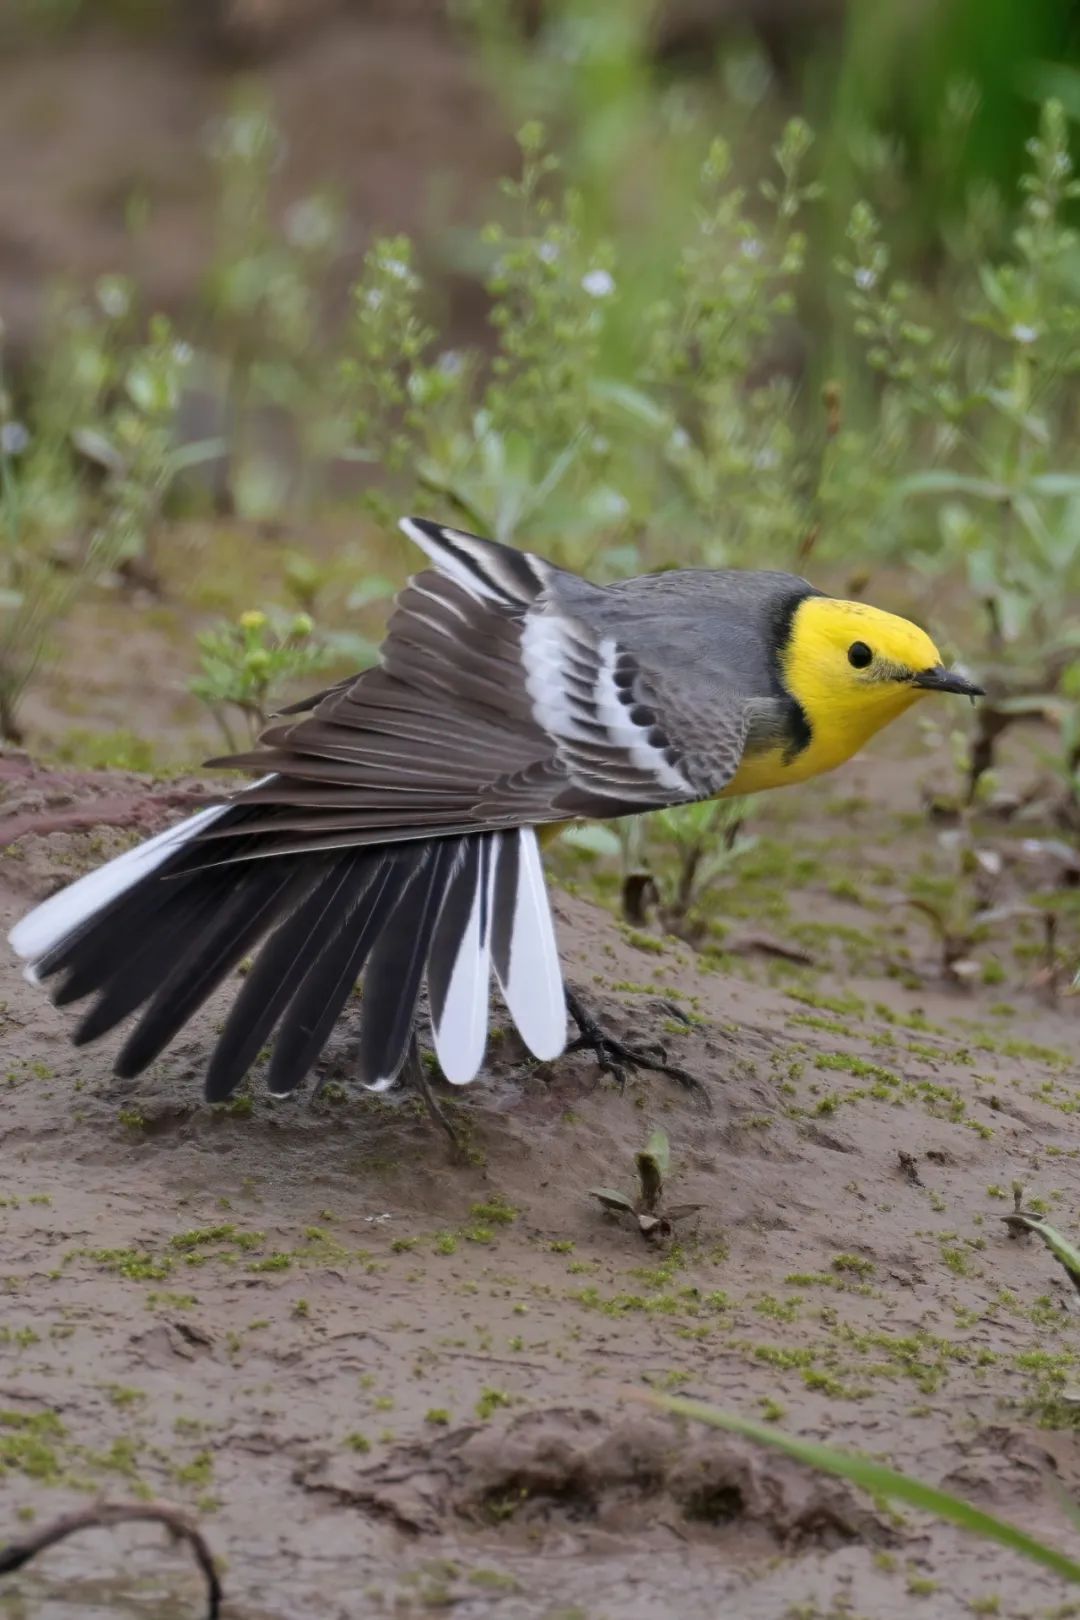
{"type": "Point", "coordinates": [413, 1071]}
{"type": "Point", "coordinates": [103, 1516]}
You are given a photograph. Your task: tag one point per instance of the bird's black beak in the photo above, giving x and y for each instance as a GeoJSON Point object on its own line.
{"type": "Point", "coordinates": [940, 679]}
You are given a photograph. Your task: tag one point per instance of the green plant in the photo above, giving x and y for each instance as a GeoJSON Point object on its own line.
{"type": "Point", "coordinates": [263, 294]}
{"type": "Point", "coordinates": [654, 1219]}
{"type": "Point", "coordinates": [85, 467]}
{"type": "Point", "coordinates": [245, 662]}
{"type": "Point", "coordinates": [689, 848]}
{"type": "Point", "coordinates": [991, 400]}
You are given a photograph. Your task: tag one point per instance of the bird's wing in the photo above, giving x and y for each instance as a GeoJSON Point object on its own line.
{"type": "Point", "coordinates": [495, 705]}
{"type": "Point", "coordinates": [407, 798]}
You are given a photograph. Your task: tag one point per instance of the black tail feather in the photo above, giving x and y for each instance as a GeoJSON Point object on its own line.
{"type": "Point", "coordinates": [395, 969]}
{"type": "Point", "coordinates": [127, 979]}
{"type": "Point", "coordinates": [325, 986]}
{"type": "Point", "coordinates": [454, 919]}
{"type": "Point", "coordinates": [87, 959]}
{"type": "Point", "coordinates": [240, 921]}
{"type": "Point", "coordinates": [160, 949]}
{"type": "Point", "coordinates": [271, 984]}
{"type": "Point", "coordinates": [507, 860]}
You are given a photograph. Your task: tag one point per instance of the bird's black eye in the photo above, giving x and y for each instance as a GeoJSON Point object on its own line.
{"type": "Point", "coordinates": [859, 655]}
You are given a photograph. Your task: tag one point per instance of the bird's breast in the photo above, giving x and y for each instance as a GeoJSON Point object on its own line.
{"type": "Point", "coordinates": [772, 767]}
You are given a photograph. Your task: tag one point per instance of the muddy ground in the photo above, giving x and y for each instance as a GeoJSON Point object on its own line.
{"type": "Point", "coordinates": [394, 1381]}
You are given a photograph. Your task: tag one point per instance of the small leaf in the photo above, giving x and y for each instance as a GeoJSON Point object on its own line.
{"type": "Point", "coordinates": [941, 482]}
{"type": "Point", "coordinates": [1055, 484]}
{"type": "Point", "coordinates": [928, 910]}
{"type": "Point", "coordinates": [97, 448]}
{"type": "Point", "coordinates": [375, 588]}
{"type": "Point", "coordinates": [195, 453]}
{"type": "Point", "coordinates": [611, 1199]}
{"type": "Point", "coordinates": [633, 401]}
{"type": "Point", "coordinates": [652, 1166]}
{"type": "Point", "coordinates": [652, 1184]}
{"type": "Point", "coordinates": [593, 837]}
{"type": "Point", "coordinates": [659, 1150]}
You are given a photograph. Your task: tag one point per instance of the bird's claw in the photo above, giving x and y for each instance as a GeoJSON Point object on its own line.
{"type": "Point", "coordinates": [613, 1056]}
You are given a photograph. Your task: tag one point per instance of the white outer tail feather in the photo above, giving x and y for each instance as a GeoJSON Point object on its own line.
{"type": "Point", "coordinates": [533, 990]}
{"type": "Point", "coordinates": [35, 935]}
{"type": "Point", "coordinates": [461, 1033]}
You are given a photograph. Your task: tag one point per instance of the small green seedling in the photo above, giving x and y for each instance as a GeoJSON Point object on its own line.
{"type": "Point", "coordinates": [961, 925]}
{"type": "Point", "coordinates": [652, 1163]}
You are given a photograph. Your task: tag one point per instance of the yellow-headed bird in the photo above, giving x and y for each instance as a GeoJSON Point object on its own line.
{"type": "Point", "coordinates": [393, 829]}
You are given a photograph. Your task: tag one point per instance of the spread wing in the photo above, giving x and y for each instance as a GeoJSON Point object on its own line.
{"type": "Point", "coordinates": [499, 704]}
{"type": "Point", "coordinates": [495, 705]}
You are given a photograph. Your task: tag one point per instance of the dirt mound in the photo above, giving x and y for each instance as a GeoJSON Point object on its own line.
{"type": "Point", "coordinates": [575, 1469]}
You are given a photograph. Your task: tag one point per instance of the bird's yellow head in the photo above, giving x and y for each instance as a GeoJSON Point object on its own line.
{"type": "Point", "coordinates": [853, 669]}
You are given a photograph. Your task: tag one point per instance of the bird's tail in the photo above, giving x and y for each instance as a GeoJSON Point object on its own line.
{"type": "Point", "coordinates": [155, 931]}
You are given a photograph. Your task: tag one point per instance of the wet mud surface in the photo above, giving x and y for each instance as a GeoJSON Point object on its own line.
{"type": "Point", "coordinates": [392, 1380]}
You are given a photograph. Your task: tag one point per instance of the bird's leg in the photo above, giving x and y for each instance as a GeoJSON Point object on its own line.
{"type": "Point", "coordinates": [613, 1056]}
{"type": "Point", "coordinates": [413, 1070]}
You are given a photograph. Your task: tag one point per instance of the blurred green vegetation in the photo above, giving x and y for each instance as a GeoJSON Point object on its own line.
{"type": "Point", "coordinates": [714, 339]}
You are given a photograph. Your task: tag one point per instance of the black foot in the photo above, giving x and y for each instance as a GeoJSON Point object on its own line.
{"type": "Point", "coordinates": [613, 1056]}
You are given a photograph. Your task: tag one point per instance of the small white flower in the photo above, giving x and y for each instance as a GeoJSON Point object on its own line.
{"type": "Point", "coordinates": [451, 363]}
{"type": "Point", "coordinates": [373, 298]}
{"type": "Point", "coordinates": [680, 440]}
{"type": "Point", "coordinates": [548, 252]}
{"type": "Point", "coordinates": [114, 297]}
{"type": "Point", "coordinates": [766, 460]}
{"type": "Point", "coordinates": [396, 268]}
{"type": "Point", "coordinates": [598, 284]}
{"type": "Point", "coordinates": [310, 224]}
{"type": "Point", "coordinates": [865, 279]}
{"type": "Point", "coordinates": [182, 353]}
{"type": "Point", "coordinates": [1023, 333]}
{"type": "Point", "coordinates": [751, 248]}
{"type": "Point", "coordinates": [14, 438]}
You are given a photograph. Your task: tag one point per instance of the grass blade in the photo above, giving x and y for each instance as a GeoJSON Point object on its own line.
{"type": "Point", "coordinates": [877, 1478]}
{"type": "Point", "coordinates": [1062, 1250]}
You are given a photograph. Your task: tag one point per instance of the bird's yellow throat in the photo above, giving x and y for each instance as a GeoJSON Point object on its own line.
{"type": "Point", "coordinates": [844, 706]}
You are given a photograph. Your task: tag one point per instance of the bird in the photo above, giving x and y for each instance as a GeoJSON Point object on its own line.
{"type": "Point", "coordinates": [391, 835]}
